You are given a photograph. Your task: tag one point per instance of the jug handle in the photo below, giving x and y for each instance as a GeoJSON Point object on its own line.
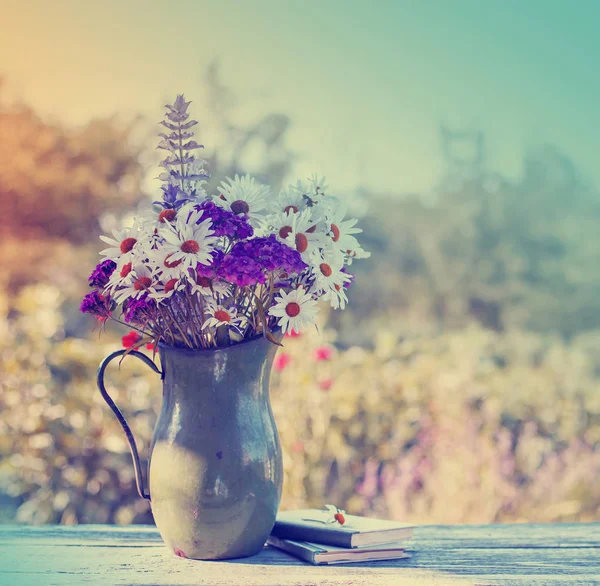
{"type": "Point", "coordinates": [139, 479]}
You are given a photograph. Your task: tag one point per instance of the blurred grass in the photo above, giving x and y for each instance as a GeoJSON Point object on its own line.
{"type": "Point", "coordinates": [469, 425]}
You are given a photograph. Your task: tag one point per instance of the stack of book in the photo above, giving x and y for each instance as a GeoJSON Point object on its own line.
{"type": "Point", "coordinates": [311, 535]}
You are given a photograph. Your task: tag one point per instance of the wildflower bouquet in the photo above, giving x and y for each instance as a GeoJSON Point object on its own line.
{"type": "Point", "coordinates": [203, 271]}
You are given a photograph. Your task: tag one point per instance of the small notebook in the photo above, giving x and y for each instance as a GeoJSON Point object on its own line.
{"type": "Point", "coordinates": [317, 554]}
{"type": "Point", "coordinates": [355, 532]}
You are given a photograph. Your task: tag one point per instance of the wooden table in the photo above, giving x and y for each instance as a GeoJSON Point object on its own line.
{"type": "Point", "coordinates": [478, 555]}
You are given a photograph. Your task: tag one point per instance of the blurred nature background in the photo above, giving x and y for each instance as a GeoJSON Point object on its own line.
{"type": "Point", "coordinates": [463, 382]}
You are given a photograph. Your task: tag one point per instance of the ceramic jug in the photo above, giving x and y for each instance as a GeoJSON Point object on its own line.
{"type": "Point", "coordinates": [215, 467]}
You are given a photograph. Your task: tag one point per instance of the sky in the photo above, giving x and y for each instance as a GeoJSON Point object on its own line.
{"type": "Point", "coordinates": [366, 84]}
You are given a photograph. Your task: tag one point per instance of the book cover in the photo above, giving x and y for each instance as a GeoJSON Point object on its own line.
{"type": "Point", "coordinates": [310, 525]}
{"type": "Point", "coordinates": [318, 554]}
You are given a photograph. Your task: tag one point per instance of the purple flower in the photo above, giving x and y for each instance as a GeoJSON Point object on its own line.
{"type": "Point", "coordinates": [271, 254]}
{"type": "Point", "coordinates": [250, 260]}
{"type": "Point", "coordinates": [171, 193]}
{"type": "Point", "coordinates": [138, 310]}
{"type": "Point", "coordinates": [241, 270]}
{"type": "Point", "coordinates": [97, 305]}
{"type": "Point", "coordinates": [224, 222]}
{"type": "Point", "coordinates": [101, 274]}
{"type": "Point", "coordinates": [211, 270]}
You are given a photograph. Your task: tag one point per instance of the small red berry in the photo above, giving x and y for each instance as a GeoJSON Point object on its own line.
{"type": "Point", "coordinates": [339, 517]}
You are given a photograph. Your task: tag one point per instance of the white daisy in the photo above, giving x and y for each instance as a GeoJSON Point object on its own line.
{"type": "Point", "coordinates": [221, 316]}
{"type": "Point", "coordinates": [142, 281]}
{"type": "Point", "coordinates": [122, 243]}
{"type": "Point", "coordinates": [327, 267]}
{"type": "Point", "coordinates": [337, 297]}
{"type": "Point", "coordinates": [122, 276]}
{"type": "Point", "coordinates": [243, 195]}
{"type": "Point", "coordinates": [165, 265]}
{"type": "Point", "coordinates": [313, 190]}
{"type": "Point", "coordinates": [298, 231]}
{"type": "Point", "coordinates": [295, 310]}
{"type": "Point", "coordinates": [207, 286]}
{"type": "Point", "coordinates": [151, 217]}
{"type": "Point", "coordinates": [340, 230]}
{"type": "Point", "coordinates": [188, 241]}
{"type": "Point", "coordinates": [165, 290]}
{"type": "Point", "coordinates": [355, 253]}
{"type": "Point", "coordinates": [288, 200]}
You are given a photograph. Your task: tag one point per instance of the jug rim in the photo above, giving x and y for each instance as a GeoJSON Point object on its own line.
{"type": "Point", "coordinates": [161, 345]}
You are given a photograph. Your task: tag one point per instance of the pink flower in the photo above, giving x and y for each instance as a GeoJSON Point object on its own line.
{"type": "Point", "coordinates": [325, 384]}
{"type": "Point", "coordinates": [130, 339]}
{"type": "Point", "coordinates": [281, 361]}
{"type": "Point", "coordinates": [323, 353]}
{"type": "Point", "coordinates": [150, 346]}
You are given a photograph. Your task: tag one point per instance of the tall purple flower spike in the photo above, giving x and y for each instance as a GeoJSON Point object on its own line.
{"type": "Point", "coordinates": [183, 174]}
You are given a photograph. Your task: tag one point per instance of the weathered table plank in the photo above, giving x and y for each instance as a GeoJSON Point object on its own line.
{"type": "Point", "coordinates": [508, 555]}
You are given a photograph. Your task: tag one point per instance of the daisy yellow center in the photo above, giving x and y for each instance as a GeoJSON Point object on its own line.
{"type": "Point", "coordinates": [222, 315]}
{"type": "Point", "coordinates": [240, 207]}
{"type": "Point", "coordinates": [292, 309]}
{"type": "Point", "coordinates": [171, 264]}
{"type": "Point", "coordinates": [167, 216]}
{"type": "Point", "coordinates": [285, 232]}
{"type": "Point", "coordinates": [142, 283]}
{"type": "Point", "coordinates": [127, 245]}
{"type": "Point", "coordinates": [301, 243]}
{"type": "Point", "coordinates": [325, 269]}
{"type": "Point", "coordinates": [204, 281]}
{"type": "Point", "coordinates": [190, 247]}
{"type": "Point", "coordinates": [125, 270]}
{"type": "Point", "coordinates": [289, 209]}
{"type": "Point", "coordinates": [335, 233]}
{"type": "Point", "coordinates": [170, 285]}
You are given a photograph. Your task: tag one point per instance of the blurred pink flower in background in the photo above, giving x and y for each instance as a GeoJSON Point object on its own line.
{"type": "Point", "coordinates": [281, 361]}
{"type": "Point", "coordinates": [323, 353]}
{"type": "Point", "coordinates": [326, 384]}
